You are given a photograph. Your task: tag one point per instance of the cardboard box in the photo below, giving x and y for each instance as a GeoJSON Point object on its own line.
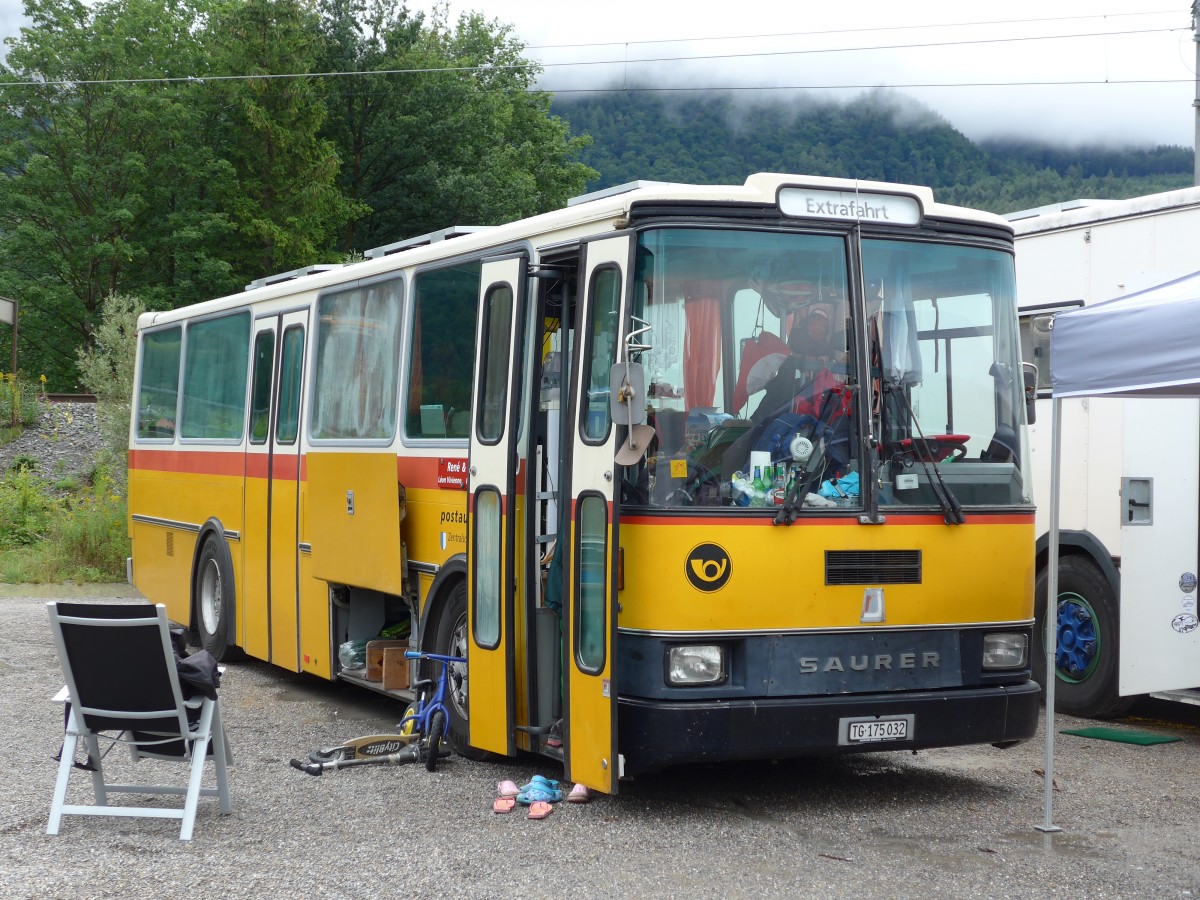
{"type": "Point", "coordinates": [375, 657]}
{"type": "Point", "coordinates": [395, 669]}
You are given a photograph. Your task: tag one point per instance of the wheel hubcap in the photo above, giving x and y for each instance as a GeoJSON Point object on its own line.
{"type": "Point", "coordinates": [210, 596]}
{"type": "Point", "coordinates": [1078, 651]}
{"type": "Point", "coordinates": [457, 677]}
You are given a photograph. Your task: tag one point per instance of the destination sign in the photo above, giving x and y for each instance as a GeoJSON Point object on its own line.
{"type": "Point", "coordinates": [891, 209]}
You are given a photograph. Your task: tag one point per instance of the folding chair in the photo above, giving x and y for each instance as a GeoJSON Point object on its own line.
{"type": "Point", "coordinates": [122, 686]}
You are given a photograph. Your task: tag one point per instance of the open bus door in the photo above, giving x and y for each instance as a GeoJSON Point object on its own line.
{"type": "Point", "coordinates": [589, 441]}
{"type": "Point", "coordinates": [492, 491]}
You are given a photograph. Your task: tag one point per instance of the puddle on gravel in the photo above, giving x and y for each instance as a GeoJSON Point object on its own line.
{"type": "Point", "coordinates": [295, 696]}
{"type": "Point", "coordinates": [1066, 844]}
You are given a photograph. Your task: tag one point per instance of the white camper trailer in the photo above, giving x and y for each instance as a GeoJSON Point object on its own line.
{"type": "Point", "coordinates": [1130, 473]}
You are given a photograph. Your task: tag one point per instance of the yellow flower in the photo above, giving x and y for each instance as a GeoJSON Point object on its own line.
{"type": "Point", "coordinates": [42, 379]}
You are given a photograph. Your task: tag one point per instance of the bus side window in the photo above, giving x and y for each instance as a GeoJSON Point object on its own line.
{"type": "Point", "coordinates": [291, 368]}
{"type": "Point", "coordinates": [214, 378]}
{"type": "Point", "coordinates": [260, 391]}
{"type": "Point", "coordinates": [442, 352]}
{"type": "Point", "coordinates": [358, 348]}
{"type": "Point", "coordinates": [158, 388]}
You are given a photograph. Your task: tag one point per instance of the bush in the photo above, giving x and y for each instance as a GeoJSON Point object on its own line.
{"type": "Point", "coordinates": [30, 400]}
{"type": "Point", "coordinates": [27, 511]}
{"type": "Point", "coordinates": [42, 539]}
{"type": "Point", "coordinates": [106, 368]}
{"type": "Point", "coordinates": [92, 536]}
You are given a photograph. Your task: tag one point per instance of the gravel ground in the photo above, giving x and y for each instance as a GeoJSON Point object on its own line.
{"type": "Point", "coordinates": [944, 823]}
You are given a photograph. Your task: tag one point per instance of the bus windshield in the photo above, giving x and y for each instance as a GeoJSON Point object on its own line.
{"type": "Point", "coordinates": [753, 382]}
{"type": "Point", "coordinates": [946, 383]}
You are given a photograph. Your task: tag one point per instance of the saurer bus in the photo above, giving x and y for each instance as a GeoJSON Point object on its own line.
{"type": "Point", "coordinates": [687, 473]}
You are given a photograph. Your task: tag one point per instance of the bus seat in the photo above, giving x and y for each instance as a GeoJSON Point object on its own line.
{"type": "Point", "coordinates": [1003, 447]}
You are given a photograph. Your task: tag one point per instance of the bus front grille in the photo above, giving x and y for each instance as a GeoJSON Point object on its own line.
{"type": "Point", "coordinates": [872, 567]}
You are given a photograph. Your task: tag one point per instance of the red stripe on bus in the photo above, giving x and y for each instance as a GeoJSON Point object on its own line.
{"type": "Point", "coordinates": [893, 518]}
{"type": "Point", "coordinates": [194, 462]}
{"type": "Point", "coordinates": [256, 465]}
{"type": "Point", "coordinates": [286, 466]}
{"type": "Point", "coordinates": [417, 471]}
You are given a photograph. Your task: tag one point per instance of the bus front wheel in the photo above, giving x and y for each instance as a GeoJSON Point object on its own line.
{"type": "Point", "coordinates": [1087, 625]}
{"type": "Point", "coordinates": [451, 640]}
{"type": "Point", "coordinates": [213, 596]}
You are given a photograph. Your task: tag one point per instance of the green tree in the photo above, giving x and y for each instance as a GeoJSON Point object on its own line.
{"type": "Point", "coordinates": [102, 185]}
{"type": "Point", "coordinates": [285, 205]}
{"type": "Point", "coordinates": [448, 131]}
{"type": "Point", "coordinates": [106, 368]}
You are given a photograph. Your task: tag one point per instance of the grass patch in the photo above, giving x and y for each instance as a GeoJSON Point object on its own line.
{"type": "Point", "coordinates": [44, 539]}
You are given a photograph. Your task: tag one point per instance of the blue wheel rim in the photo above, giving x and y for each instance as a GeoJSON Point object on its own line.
{"type": "Point", "coordinates": [1078, 652]}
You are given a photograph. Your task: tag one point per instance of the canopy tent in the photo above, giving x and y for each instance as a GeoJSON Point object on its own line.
{"type": "Point", "coordinates": [1145, 344]}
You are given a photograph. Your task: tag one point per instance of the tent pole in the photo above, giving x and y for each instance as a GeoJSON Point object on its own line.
{"type": "Point", "coordinates": [1051, 616]}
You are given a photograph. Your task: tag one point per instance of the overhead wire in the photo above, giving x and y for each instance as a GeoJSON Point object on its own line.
{"type": "Point", "coordinates": [870, 29]}
{"type": "Point", "coordinates": [865, 86]}
{"type": "Point", "coordinates": [543, 66]}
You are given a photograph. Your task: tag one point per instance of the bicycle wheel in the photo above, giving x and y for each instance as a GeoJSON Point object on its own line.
{"type": "Point", "coordinates": [408, 721]}
{"type": "Point", "coordinates": [433, 743]}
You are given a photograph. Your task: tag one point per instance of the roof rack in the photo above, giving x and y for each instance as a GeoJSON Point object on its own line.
{"type": "Point", "coordinates": [293, 274]}
{"type": "Point", "coordinates": [613, 191]}
{"type": "Point", "coordinates": [422, 240]}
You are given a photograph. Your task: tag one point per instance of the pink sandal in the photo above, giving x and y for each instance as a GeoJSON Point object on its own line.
{"type": "Point", "coordinates": [507, 789]}
{"type": "Point", "coordinates": [540, 809]}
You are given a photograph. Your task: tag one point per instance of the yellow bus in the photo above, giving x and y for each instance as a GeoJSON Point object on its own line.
{"type": "Point", "coordinates": [687, 473]}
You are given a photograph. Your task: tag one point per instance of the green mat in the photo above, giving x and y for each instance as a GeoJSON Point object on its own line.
{"type": "Point", "coordinates": [1116, 734]}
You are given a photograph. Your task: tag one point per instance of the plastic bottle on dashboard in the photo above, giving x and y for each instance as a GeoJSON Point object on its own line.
{"type": "Point", "coordinates": [760, 488]}
{"type": "Point", "coordinates": [743, 490]}
{"type": "Point", "coordinates": [778, 491]}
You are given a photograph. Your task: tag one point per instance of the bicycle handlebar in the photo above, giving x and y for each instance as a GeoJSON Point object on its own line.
{"type": "Point", "coordinates": [420, 654]}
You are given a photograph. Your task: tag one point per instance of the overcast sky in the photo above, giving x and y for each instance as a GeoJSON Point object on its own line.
{"type": "Point", "coordinates": [1097, 70]}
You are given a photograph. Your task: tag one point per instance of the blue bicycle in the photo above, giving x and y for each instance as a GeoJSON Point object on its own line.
{"type": "Point", "coordinates": [428, 718]}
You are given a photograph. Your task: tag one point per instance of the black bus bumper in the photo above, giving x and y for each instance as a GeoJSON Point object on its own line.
{"type": "Point", "coordinates": [655, 734]}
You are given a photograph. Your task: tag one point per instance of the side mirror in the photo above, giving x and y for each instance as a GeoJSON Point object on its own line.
{"type": "Point", "coordinates": [627, 393]}
{"type": "Point", "coordinates": [1029, 376]}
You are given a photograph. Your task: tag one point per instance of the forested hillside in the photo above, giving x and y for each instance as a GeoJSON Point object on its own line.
{"type": "Point", "coordinates": [883, 135]}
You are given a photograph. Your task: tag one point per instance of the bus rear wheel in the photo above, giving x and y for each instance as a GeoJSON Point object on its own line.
{"type": "Point", "coordinates": [451, 640]}
{"type": "Point", "coordinates": [1087, 625]}
{"type": "Point", "coordinates": [212, 593]}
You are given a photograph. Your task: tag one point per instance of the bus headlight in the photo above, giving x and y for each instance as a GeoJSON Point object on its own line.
{"type": "Point", "coordinates": [696, 664]}
{"type": "Point", "coordinates": [1005, 650]}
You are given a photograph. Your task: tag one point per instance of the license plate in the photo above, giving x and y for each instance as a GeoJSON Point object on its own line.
{"type": "Point", "coordinates": [872, 729]}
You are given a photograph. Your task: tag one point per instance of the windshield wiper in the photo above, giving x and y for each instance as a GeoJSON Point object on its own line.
{"type": "Point", "coordinates": [813, 465]}
{"type": "Point", "coordinates": [951, 509]}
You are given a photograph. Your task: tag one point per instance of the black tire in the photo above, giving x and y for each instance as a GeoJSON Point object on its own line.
{"type": "Point", "coordinates": [213, 600]}
{"type": "Point", "coordinates": [433, 742]}
{"type": "Point", "coordinates": [451, 640]}
{"type": "Point", "coordinates": [1088, 641]}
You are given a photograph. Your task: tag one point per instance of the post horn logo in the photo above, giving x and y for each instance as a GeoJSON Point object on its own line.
{"type": "Point", "coordinates": [708, 567]}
